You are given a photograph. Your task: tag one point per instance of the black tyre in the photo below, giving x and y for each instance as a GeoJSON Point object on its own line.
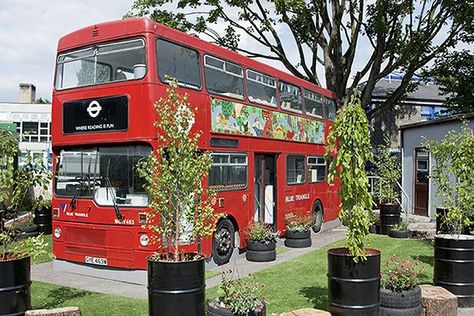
{"type": "Point", "coordinates": [28, 228]}
{"type": "Point", "coordinates": [317, 217]}
{"type": "Point", "coordinates": [214, 309]}
{"type": "Point", "coordinates": [260, 246]}
{"type": "Point", "coordinates": [412, 311]}
{"type": "Point", "coordinates": [298, 243]}
{"type": "Point", "coordinates": [400, 233]}
{"type": "Point", "coordinates": [294, 234]}
{"type": "Point", "coordinates": [403, 300]}
{"type": "Point", "coordinates": [260, 256]}
{"type": "Point", "coordinates": [22, 236]}
{"type": "Point", "coordinates": [223, 242]}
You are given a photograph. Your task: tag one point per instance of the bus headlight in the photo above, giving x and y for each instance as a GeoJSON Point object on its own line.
{"type": "Point", "coordinates": [57, 232]}
{"type": "Point", "coordinates": [144, 240]}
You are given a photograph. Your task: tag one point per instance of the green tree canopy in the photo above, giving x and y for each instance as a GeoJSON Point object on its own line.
{"type": "Point", "coordinates": [455, 73]}
{"type": "Point", "coordinates": [327, 34]}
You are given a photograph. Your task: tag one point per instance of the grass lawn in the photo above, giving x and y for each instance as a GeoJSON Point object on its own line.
{"type": "Point", "coordinates": [48, 296]}
{"type": "Point", "coordinates": [302, 282]}
{"type": "Point", "coordinates": [48, 256]}
{"type": "Point", "coordinates": [296, 284]}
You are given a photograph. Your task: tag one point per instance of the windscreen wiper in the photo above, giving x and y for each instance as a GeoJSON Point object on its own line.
{"type": "Point", "coordinates": [109, 188]}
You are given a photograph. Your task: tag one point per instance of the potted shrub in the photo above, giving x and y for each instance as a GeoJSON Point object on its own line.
{"type": "Point", "coordinates": [298, 231]}
{"type": "Point", "coordinates": [237, 297]}
{"type": "Point", "coordinates": [454, 176]}
{"type": "Point", "coordinates": [15, 183]}
{"type": "Point", "coordinates": [353, 271]}
{"type": "Point", "coordinates": [388, 168]}
{"type": "Point", "coordinates": [400, 230]}
{"type": "Point", "coordinates": [179, 211]}
{"type": "Point", "coordinates": [400, 293]}
{"type": "Point", "coordinates": [261, 243]}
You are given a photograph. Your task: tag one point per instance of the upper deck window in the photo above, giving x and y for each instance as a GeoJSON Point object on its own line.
{"type": "Point", "coordinates": [261, 88]}
{"type": "Point", "coordinates": [223, 77]}
{"type": "Point", "coordinates": [101, 63]}
{"type": "Point", "coordinates": [178, 62]}
{"type": "Point", "coordinates": [313, 103]}
{"type": "Point", "coordinates": [290, 97]}
{"type": "Point", "coordinates": [330, 109]}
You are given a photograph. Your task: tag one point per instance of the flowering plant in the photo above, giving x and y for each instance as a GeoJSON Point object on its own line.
{"type": "Point", "coordinates": [299, 222]}
{"type": "Point", "coordinates": [240, 296]}
{"type": "Point", "coordinates": [401, 275]}
{"type": "Point", "coordinates": [260, 232]}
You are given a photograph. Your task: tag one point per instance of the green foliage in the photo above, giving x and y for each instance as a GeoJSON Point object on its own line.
{"type": "Point", "coordinates": [16, 183]}
{"type": "Point", "coordinates": [453, 173]}
{"type": "Point", "coordinates": [389, 172]}
{"type": "Point", "coordinates": [402, 275]}
{"type": "Point", "coordinates": [455, 73]}
{"type": "Point", "coordinates": [12, 249]}
{"type": "Point", "coordinates": [8, 153]}
{"type": "Point", "coordinates": [260, 232]}
{"type": "Point", "coordinates": [299, 222]}
{"type": "Point", "coordinates": [401, 226]}
{"type": "Point", "coordinates": [240, 296]}
{"type": "Point", "coordinates": [174, 175]}
{"type": "Point", "coordinates": [349, 138]}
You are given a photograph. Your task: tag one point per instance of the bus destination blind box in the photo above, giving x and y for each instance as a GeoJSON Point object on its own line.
{"type": "Point", "coordinates": [95, 115]}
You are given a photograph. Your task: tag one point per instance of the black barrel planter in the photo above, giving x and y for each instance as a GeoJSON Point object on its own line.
{"type": "Point", "coordinates": [406, 303]}
{"type": "Point", "coordinates": [389, 217]}
{"type": "Point", "coordinates": [454, 266]}
{"type": "Point", "coordinates": [15, 282]}
{"type": "Point", "coordinates": [215, 309]}
{"type": "Point", "coordinates": [176, 288]}
{"type": "Point", "coordinates": [44, 220]}
{"type": "Point", "coordinates": [353, 288]}
{"type": "Point", "coordinates": [298, 239]}
{"type": "Point", "coordinates": [260, 251]}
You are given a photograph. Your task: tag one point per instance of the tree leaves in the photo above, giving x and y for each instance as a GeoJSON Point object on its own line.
{"type": "Point", "coordinates": [349, 140]}
{"type": "Point", "coordinates": [174, 175]}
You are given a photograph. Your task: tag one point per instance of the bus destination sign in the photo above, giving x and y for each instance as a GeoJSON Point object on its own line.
{"type": "Point", "coordinates": [95, 115]}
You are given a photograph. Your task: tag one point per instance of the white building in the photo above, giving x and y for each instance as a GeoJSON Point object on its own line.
{"type": "Point", "coordinates": [417, 163]}
{"type": "Point", "coordinates": [33, 123]}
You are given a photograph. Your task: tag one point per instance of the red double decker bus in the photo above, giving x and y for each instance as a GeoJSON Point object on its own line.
{"type": "Point", "coordinates": [265, 129]}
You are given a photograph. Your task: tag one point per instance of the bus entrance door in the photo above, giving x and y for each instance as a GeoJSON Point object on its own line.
{"type": "Point", "coordinates": [265, 189]}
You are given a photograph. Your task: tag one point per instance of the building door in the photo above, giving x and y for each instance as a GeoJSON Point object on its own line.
{"type": "Point", "coordinates": [265, 190]}
{"type": "Point", "coordinates": [421, 181]}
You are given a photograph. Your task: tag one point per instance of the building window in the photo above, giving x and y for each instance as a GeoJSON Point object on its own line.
{"type": "Point", "coordinates": [228, 172]}
{"type": "Point", "coordinates": [316, 169]}
{"type": "Point", "coordinates": [29, 132]}
{"type": "Point", "coordinates": [295, 169]}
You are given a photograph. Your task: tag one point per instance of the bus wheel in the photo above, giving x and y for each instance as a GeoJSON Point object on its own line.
{"type": "Point", "coordinates": [223, 242]}
{"type": "Point", "coordinates": [317, 217]}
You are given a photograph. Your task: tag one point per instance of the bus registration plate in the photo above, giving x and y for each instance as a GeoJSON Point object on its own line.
{"type": "Point", "coordinates": [99, 261]}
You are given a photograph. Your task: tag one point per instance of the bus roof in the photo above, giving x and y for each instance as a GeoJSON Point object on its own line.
{"type": "Point", "coordinates": [108, 31]}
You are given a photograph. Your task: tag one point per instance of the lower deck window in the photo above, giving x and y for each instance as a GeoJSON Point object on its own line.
{"type": "Point", "coordinates": [228, 172]}
{"type": "Point", "coordinates": [295, 169]}
{"type": "Point", "coordinates": [316, 169]}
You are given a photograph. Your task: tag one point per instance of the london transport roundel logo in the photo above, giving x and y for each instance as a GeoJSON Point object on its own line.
{"type": "Point", "coordinates": [94, 109]}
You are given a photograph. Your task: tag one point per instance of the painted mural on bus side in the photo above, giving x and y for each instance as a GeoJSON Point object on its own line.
{"type": "Point", "coordinates": [239, 119]}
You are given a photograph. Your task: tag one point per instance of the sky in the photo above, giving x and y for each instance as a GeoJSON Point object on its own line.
{"type": "Point", "coordinates": [29, 34]}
